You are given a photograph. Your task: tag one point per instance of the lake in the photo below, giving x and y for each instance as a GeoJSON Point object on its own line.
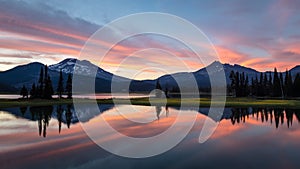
{"type": "Point", "coordinates": [53, 137]}
{"type": "Point", "coordinates": [88, 96]}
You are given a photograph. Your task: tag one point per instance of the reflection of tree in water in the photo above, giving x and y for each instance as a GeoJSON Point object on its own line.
{"type": "Point", "coordinates": [158, 110]}
{"type": "Point", "coordinates": [265, 115]}
{"type": "Point", "coordinates": [167, 111]}
{"type": "Point", "coordinates": [59, 111]}
{"type": "Point", "coordinates": [43, 115]}
{"type": "Point", "coordinates": [68, 116]}
{"type": "Point", "coordinates": [23, 110]}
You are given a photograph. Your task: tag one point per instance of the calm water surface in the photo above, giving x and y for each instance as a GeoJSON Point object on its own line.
{"type": "Point", "coordinates": [52, 137]}
{"type": "Point", "coordinates": [97, 96]}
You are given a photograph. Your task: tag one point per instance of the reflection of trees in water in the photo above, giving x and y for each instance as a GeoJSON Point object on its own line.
{"type": "Point", "coordinates": [59, 112]}
{"type": "Point", "coordinates": [68, 116]}
{"type": "Point", "coordinates": [167, 111]}
{"type": "Point", "coordinates": [43, 115]}
{"type": "Point", "coordinates": [159, 111]}
{"type": "Point", "coordinates": [65, 114]}
{"type": "Point", "coordinates": [23, 110]}
{"type": "Point", "coordinates": [265, 115]}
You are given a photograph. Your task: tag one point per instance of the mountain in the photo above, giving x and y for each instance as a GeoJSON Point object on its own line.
{"type": "Point", "coordinates": [83, 67]}
{"type": "Point", "coordinates": [202, 76]}
{"type": "Point", "coordinates": [103, 78]}
{"type": "Point", "coordinates": [21, 75]}
{"type": "Point", "coordinates": [295, 70]}
{"type": "Point", "coordinates": [14, 79]}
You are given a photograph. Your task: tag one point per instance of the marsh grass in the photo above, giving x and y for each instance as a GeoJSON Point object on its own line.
{"type": "Point", "coordinates": [203, 102]}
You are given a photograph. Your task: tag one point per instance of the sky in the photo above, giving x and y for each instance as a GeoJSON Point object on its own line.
{"type": "Point", "coordinates": [257, 34]}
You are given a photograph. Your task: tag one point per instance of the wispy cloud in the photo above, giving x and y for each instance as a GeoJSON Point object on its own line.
{"type": "Point", "coordinates": [262, 35]}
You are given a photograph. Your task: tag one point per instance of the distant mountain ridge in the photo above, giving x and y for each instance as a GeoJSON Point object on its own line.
{"type": "Point", "coordinates": [28, 74]}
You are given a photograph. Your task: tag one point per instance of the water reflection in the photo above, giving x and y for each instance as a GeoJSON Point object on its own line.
{"type": "Point", "coordinates": [240, 136]}
{"type": "Point", "coordinates": [43, 115]}
{"type": "Point", "coordinates": [159, 110]}
{"type": "Point", "coordinates": [65, 115]}
{"type": "Point", "coordinates": [265, 115]}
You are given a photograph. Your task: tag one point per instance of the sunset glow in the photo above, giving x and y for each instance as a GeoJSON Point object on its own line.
{"type": "Point", "coordinates": [260, 35]}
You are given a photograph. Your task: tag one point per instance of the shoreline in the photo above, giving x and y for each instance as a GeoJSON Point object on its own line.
{"type": "Point", "coordinates": [204, 102]}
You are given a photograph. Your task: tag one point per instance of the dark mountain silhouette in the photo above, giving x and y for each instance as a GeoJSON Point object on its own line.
{"type": "Point", "coordinates": [295, 70]}
{"type": "Point", "coordinates": [202, 77]}
{"type": "Point", "coordinates": [14, 79]}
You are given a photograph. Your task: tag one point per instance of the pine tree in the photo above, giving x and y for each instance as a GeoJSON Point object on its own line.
{"type": "Point", "coordinates": [242, 85]}
{"type": "Point", "coordinates": [60, 86]}
{"type": "Point", "coordinates": [288, 84]}
{"type": "Point", "coordinates": [237, 84]}
{"type": "Point", "coordinates": [256, 86]}
{"type": "Point", "coordinates": [69, 86]}
{"type": "Point", "coordinates": [253, 93]}
{"type": "Point", "coordinates": [24, 92]}
{"type": "Point", "coordinates": [41, 84]}
{"type": "Point", "coordinates": [260, 86]}
{"type": "Point", "coordinates": [265, 85]}
{"type": "Point", "coordinates": [270, 84]}
{"type": "Point", "coordinates": [247, 86]}
{"type": "Point", "coordinates": [48, 89]}
{"type": "Point", "coordinates": [276, 84]}
{"type": "Point", "coordinates": [281, 84]}
{"type": "Point", "coordinates": [233, 82]}
{"type": "Point", "coordinates": [33, 91]}
{"type": "Point", "coordinates": [296, 86]}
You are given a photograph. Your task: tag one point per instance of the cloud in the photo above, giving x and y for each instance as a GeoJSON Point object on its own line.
{"type": "Point", "coordinates": [238, 29]}
{"type": "Point", "coordinates": [44, 22]}
{"type": "Point", "coordinates": [7, 63]}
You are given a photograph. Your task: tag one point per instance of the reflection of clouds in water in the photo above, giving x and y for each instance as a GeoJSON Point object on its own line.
{"type": "Point", "coordinates": [107, 162]}
{"type": "Point", "coordinates": [231, 145]}
{"type": "Point", "coordinates": [10, 124]}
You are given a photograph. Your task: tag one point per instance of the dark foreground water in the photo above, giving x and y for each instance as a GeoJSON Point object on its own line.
{"type": "Point", "coordinates": [52, 137]}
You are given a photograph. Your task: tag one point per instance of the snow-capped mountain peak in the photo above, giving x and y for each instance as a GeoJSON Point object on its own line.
{"type": "Point", "coordinates": [70, 65]}
{"type": "Point", "coordinates": [80, 67]}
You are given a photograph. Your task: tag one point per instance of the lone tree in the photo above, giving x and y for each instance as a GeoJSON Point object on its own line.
{"type": "Point", "coordinates": [24, 92]}
{"type": "Point", "coordinates": [69, 86]}
{"type": "Point", "coordinates": [60, 87]}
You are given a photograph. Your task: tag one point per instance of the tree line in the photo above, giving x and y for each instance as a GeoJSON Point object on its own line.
{"type": "Point", "coordinates": [266, 85]}
{"type": "Point", "coordinates": [44, 88]}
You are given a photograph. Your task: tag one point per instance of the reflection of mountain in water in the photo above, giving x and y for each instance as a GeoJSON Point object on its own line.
{"type": "Point", "coordinates": [64, 114]}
